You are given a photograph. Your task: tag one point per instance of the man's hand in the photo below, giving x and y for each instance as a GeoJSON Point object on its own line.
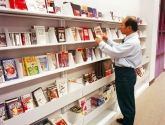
{"type": "Point", "coordinates": [104, 37]}
{"type": "Point", "coordinates": [98, 40]}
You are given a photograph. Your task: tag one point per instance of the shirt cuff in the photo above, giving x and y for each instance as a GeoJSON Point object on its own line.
{"type": "Point", "coordinates": [102, 44]}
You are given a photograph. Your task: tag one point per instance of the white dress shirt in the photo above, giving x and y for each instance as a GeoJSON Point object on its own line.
{"type": "Point", "coordinates": [127, 54]}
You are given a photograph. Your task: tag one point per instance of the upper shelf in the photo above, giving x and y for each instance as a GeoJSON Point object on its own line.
{"type": "Point", "coordinates": [31, 14]}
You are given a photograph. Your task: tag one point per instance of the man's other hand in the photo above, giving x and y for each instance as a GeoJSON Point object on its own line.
{"type": "Point", "coordinates": [98, 40]}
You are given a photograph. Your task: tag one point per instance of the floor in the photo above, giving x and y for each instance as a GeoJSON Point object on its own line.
{"type": "Point", "coordinates": [150, 105]}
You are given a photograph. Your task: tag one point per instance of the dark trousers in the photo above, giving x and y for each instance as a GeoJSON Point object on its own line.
{"type": "Point", "coordinates": [125, 81]}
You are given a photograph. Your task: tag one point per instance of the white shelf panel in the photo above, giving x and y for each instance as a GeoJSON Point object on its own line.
{"type": "Point", "coordinates": [142, 78]}
{"type": "Point", "coordinates": [104, 118]}
{"type": "Point", "coordinates": [90, 116]}
{"type": "Point", "coordinates": [118, 39]}
{"type": "Point", "coordinates": [44, 110]}
{"type": "Point", "coordinates": [28, 78]}
{"type": "Point", "coordinates": [141, 89]}
{"type": "Point", "coordinates": [98, 84]}
{"type": "Point", "coordinates": [34, 46]}
{"type": "Point", "coordinates": [145, 60]}
{"type": "Point", "coordinates": [89, 62]}
{"type": "Point", "coordinates": [25, 13]}
{"type": "Point", "coordinates": [86, 41]}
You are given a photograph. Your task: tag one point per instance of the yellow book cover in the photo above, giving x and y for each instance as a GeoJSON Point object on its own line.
{"type": "Point", "coordinates": [31, 65]}
{"type": "Point", "coordinates": [24, 68]}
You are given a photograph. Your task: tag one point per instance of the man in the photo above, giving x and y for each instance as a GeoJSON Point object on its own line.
{"type": "Point", "coordinates": [127, 57]}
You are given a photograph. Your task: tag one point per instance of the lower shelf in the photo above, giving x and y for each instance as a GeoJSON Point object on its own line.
{"type": "Point", "coordinates": [104, 118]}
{"type": "Point", "coordinates": [94, 114]}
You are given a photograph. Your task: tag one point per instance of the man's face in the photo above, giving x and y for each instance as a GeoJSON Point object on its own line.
{"type": "Point", "coordinates": [123, 28]}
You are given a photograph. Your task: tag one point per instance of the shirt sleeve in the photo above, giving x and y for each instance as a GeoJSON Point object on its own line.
{"type": "Point", "coordinates": [111, 42]}
{"type": "Point", "coordinates": [116, 51]}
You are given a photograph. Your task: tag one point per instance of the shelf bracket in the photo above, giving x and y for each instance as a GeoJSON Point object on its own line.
{"type": "Point", "coordinates": [62, 23]}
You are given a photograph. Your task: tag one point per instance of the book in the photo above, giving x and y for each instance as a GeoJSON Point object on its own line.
{"type": "Point", "coordinates": [80, 33]}
{"type": "Point", "coordinates": [31, 5]}
{"type": "Point", "coordinates": [60, 34]}
{"type": "Point", "coordinates": [98, 32]}
{"type": "Point", "coordinates": [40, 34]}
{"type": "Point", "coordinates": [89, 12]}
{"type": "Point", "coordinates": [50, 6]}
{"type": "Point", "coordinates": [27, 102]}
{"type": "Point", "coordinates": [60, 120]}
{"type": "Point", "coordinates": [52, 92]}
{"type": "Point", "coordinates": [85, 33]}
{"type": "Point", "coordinates": [39, 97]}
{"type": "Point", "coordinates": [31, 65]}
{"type": "Point", "coordinates": [3, 4]}
{"type": "Point", "coordinates": [9, 69]}
{"type": "Point", "coordinates": [2, 79]}
{"type": "Point", "coordinates": [61, 86]}
{"type": "Point", "coordinates": [83, 105]}
{"type": "Point", "coordinates": [3, 40]}
{"type": "Point", "coordinates": [74, 33]}
{"type": "Point", "coordinates": [45, 121]}
{"type": "Point", "coordinates": [18, 4]}
{"type": "Point", "coordinates": [14, 107]}
{"type": "Point", "coordinates": [41, 6]}
{"type": "Point", "coordinates": [43, 62]}
{"type": "Point", "coordinates": [17, 39]}
{"type": "Point", "coordinates": [11, 36]}
{"type": "Point", "coordinates": [84, 11]}
{"type": "Point", "coordinates": [3, 113]}
{"type": "Point", "coordinates": [94, 12]}
{"type": "Point", "coordinates": [76, 9]}
{"type": "Point", "coordinates": [54, 59]}
{"type": "Point", "coordinates": [100, 15]}
{"type": "Point", "coordinates": [85, 54]}
{"type": "Point", "coordinates": [63, 59]}
{"type": "Point", "coordinates": [33, 37]}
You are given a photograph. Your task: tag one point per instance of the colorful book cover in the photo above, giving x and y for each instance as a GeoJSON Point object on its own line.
{"type": "Point", "coordinates": [31, 65]}
{"type": "Point", "coordinates": [27, 102]}
{"type": "Point", "coordinates": [100, 15]}
{"type": "Point", "coordinates": [18, 4]}
{"type": "Point", "coordinates": [90, 56]}
{"type": "Point", "coordinates": [84, 11]}
{"type": "Point", "coordinates": [61, 86]}
{"type": "Point", "coordinates": [76, 9]}
{"type": "Point", "coordinates": [83, 105]}
{"type": "Point", "coordinates": [43, 62]}
{"type": "Point", "coordinates": [60, 33]}
{"type": "Point", "coordinates": [52, 92]}
{"type": "Point", "coordinates": [39, 97]}
{"type": "Point", "coordinates": [31, 5]}
{"type": "Point", "coordinates": [85, 54]}
{"type": "Point", "coordinates": [80, 33]}
{"type": "Point", "coordinates": [9, 69]}
{"type": "Point", "coordinates": [3, 40]}
{"type": "Point", "coordinates": [94, 12]}
{"type": "Point", "coordinates": [3, 113]}
{"type": "Point", "coordinates": [2, 79]}
{"type": "Point", "coordinates": [60, 120]}
{"type": "Point", "coordinates": [85, 33]}
{"type": "Point", "coordinates": [14, 107]}
{"type": "Point", "coordinates": [41, 6]}
{"type": "Point", "coordinates": [50, 6]}
{"type": "Point", "coordinates": [74, 33]}
{"type": "Point", "coordinates": [89, 12]}
{"type": "Point", "coordinates": [98, 31]}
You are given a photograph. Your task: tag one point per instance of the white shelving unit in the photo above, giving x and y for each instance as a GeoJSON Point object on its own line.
{"type": "Point", "coordinates": [15, 88]}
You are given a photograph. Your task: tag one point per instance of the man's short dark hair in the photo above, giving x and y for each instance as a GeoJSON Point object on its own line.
{"type": "Point", "coordinates": [132, 22]}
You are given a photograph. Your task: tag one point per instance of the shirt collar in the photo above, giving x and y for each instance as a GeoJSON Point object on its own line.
{"type": "Point", "coordinates": [129, 36]}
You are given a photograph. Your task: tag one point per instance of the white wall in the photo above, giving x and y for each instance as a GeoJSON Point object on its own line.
{"type": "Point", "coordinates": [149, 9]}
{"type": "Point", "coordinates": [119, 7]}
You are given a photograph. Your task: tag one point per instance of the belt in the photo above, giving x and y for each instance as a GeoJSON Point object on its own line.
{"type": "Point", "coordinates": [123, 67]}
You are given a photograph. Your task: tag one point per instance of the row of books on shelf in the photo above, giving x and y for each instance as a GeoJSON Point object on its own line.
{"type": "Point", "coordinates": [59, 34]}
{"type": "Point", "coordinates": [68, 8]}
{"type": "Point", "coordinates": [84, 106]}
{"type": "Point", "coordinates": [44, 6]}
{"type": "Point", "coordinates": [13, 107]}
{"type": "Point", "coordinates": [31, 65]}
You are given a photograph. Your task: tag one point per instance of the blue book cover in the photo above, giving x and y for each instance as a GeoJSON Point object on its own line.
{"type": "Point", "coordinates": [9, 69]}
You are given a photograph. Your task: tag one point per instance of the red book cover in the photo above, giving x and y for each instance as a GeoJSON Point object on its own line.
{"type": "Point", "coordinates": [23, 39]}
{"type": "Point", "coordinates": [27, 102]}
{"type": "Point", "coordinates": [18, 4]}
{"type": "Point", "coordinates": [85, 33]}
